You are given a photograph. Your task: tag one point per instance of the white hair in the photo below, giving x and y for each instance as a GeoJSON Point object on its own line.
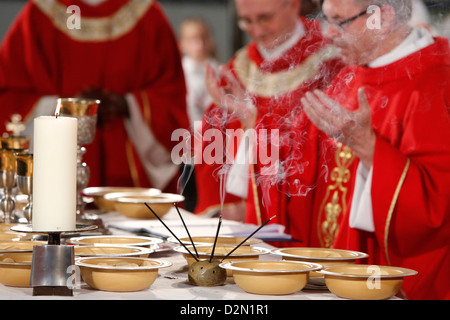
{"type": "Point", "coordinates": [403, 8]}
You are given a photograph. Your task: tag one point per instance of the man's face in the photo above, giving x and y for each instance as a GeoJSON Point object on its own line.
{"type": "Point", "coordinates": [354, 40]}
{"type": "Point", "coordinates": [267, 22]}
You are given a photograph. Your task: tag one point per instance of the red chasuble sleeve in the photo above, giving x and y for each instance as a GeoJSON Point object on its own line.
{"type": "Point", "coordinates": [411, 170]}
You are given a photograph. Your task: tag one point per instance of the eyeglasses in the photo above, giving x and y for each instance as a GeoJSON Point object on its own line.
{"type": "Point", "coordinates": [342, 23]}
{"type": "Point", "coordinates": [263, 20]}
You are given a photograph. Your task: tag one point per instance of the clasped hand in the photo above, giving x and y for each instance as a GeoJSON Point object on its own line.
{"type": "Point", "coordinates": [227, 92]}
{"type": "Point", "coordinates": [352, 128]}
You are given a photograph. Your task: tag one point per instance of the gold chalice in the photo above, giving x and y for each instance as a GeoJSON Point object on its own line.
{"type": "Point", "coordinates": [8, 183]}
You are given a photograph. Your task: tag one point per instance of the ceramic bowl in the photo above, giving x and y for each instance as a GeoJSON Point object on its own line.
{"type": "Point", "coordinates": [204, 253]}
{"type": "Point", "coordinates": [15, 269]}
{"type": "Point", "coordinates": [19, 246]}
{"type": "Point", "coordinates": [132, 204]}
{"type": "Point", "coordinates": [365, 282]}
{"type": "Point", "coordinates": [13, 236]}
{"type": "Point", "coordinates": [121, 274]}
{"type": "Point", "coordinates": [116, 240]}
{"type": "Point", "coordinates": [323, 256]}
{"type": "Point", "coordinates": [112, 251]}
{"type": "Point", "coordinates": [271, 277]}
{"type": "Point", "coordinates": [223, 240]}
{"type": "Point", "coordinates": [98, 195]}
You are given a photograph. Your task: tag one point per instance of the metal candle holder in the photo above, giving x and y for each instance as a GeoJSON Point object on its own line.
{"type": "Point", "coordinates": [85, 110]}
{"type": "Point", "coordinates": [51, 263]}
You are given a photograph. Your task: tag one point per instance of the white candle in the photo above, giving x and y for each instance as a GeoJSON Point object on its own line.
{"type": "Point", "coordinates": [54, 174]}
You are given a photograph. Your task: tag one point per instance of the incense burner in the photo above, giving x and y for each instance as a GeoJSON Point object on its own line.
{"type": "Point", "coordinates": [206, 273]}
{"type": "Point", "coordinates": [203, 252]}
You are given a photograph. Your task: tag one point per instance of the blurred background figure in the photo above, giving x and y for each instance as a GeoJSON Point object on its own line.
{"type": "Point", "coordinates": [198, 48]}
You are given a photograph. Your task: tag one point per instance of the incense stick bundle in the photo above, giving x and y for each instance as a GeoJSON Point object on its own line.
{"type": "Point", "coordinates": [196, 259]}
{"type": "Point", "coordinates": [251, 235]}
{"type": "Point", "coordinates": [215, 240]}
{"type": "Point", "coordinates": [185, 227]}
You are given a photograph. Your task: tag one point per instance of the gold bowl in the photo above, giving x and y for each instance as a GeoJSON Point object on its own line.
{"type": "Point", "coordinates": [132, 204]}
{"type": "Point", "coordinates": [116, 240]}
{"type": "Point", "coordinates": [98, 194]}
{"type": "Point", "coordinates": [242, 253]}
{"type": "Point", "coordinates": [121, 274]}
{"type": "Point", "coordinates": [15, 269]}
{"type": "Point", "coordinates": [271, 277]}
{"type": "Point", "coordinates": [223, 240]}
{"type": "Point", "coordinates": [112, 251]}
{"type": "Point", "coordinates": [323, 256]}
{"type": "Point", "coordinates": [365, 282]}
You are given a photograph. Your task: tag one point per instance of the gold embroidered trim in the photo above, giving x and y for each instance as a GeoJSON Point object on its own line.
{"type": "Point", "coordinates": [333, 207]}
{"type": "Point", "coordinates": [96, 29]}
{"type": "Point", "coordinates": [392, 207]}
{"type": "Point", "coordinates": [271, 84]}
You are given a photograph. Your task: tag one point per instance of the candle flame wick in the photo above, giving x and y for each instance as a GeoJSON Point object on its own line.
{"type": "Point", "coordinates": [58, 108]}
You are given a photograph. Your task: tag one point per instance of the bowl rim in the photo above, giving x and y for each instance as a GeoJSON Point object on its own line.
{"type": "Point", "coordinates": [403, 272]}
{"type": "Point", "coordinates": [83, 262]}
{"type": "Point", "coordinates": [21, 263]}
{"type": "Point", "coordinates": [356, 254]}
{"type": "Point", "coordinates": [257, 251]}
{"type": "Point", "coordinates": [232, 265]}
{"type": "Point", "coordinates": [251, 241]}
{"type": "Point", "coordinates": [139, 250]}
{"type": "Point", "coordinates": [102, 191]}
{"type": "Point", "coordinates": [126, 197]}
{"type": "Point", "coordinates": [35, 243]}
{"type": "Point", "coordinates": [149, 240]}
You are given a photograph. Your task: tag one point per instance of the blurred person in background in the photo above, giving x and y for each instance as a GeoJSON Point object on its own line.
{"type": "Point", "coordinates": [259, 90]}
{"type": "Point", "coordinates": [125, 54]}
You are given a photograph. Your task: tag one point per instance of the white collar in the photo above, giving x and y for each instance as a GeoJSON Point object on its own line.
{"type": "Point", "coordinates": [418, 39]}
{"type": "Point", "coordinates": [278, 51]}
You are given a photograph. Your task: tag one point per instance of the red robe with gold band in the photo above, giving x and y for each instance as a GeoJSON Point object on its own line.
{"type": "Point", "coordinates": [410, 187]}
{"type": "Point", "coordinates": [124, 46]}
{"type": "Point", "coordinates": [275, 88]}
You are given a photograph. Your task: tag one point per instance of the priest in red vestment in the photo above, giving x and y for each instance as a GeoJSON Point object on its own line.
{"type": "Point", "coordinates": [122, 52]}
{"type": "Point", "coordinates": [260, 95]}
{"type": "Point", "coordinates": [388, 193]}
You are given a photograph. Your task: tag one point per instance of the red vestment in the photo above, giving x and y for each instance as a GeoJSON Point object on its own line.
{"type": "Point", "coordinates": [124, 46]}
{"type": "Point", "coordinates": [275, 88]}
{"type": "Point", "coordinates": [410, 189]}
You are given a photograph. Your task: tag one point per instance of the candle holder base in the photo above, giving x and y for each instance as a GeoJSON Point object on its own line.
{"type": "Point", "coordinates": [52, 264]}
{"type": "Point", "coordinates": [51, 270]}
{"type": "Point", "coordinates": [52, 291]}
